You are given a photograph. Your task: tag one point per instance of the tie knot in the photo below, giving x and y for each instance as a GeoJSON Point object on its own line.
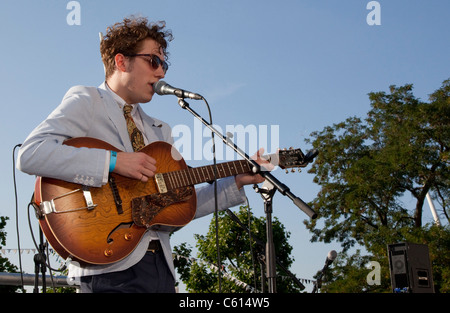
{"type": "Point", "coordinates": [127, 109]}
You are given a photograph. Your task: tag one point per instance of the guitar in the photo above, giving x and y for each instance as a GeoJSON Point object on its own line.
{"type": "Point", "coordinates": [102, 225]}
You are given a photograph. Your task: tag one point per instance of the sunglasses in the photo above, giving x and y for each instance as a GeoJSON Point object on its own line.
{"type": "Point", "coordinates": [154, 61]}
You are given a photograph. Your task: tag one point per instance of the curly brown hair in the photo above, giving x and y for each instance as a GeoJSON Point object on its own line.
{"type": "Point", "coordinates": [126, 38]}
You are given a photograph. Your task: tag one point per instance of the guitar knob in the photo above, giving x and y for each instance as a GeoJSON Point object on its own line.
{"type": "Point", "coordinates": [108, 252]}
{"type": "Point", "coordinates": [293, 170]}
{"type": "Point", "coordinates": [287, 171]}
{"type": "Point", "coordinates": [128, 236]}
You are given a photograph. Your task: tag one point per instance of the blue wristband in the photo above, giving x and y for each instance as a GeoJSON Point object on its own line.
{"type": "Point", "coordinates": [112, 161]}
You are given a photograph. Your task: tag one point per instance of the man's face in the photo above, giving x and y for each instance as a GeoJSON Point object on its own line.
{"type": "Point", "coordinates": [141, 75]}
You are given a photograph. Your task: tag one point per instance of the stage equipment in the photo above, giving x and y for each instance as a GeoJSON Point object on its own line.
{"type": "Point", "coordinates": [410, 268]}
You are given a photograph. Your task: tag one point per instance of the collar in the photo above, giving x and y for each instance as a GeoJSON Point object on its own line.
{"type": "Point", "coordinates": [119, 100]}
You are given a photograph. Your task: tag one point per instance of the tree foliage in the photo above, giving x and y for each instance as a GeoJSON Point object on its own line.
{"type": "Point", "coordinates": [240, 256]}
{"type": "Point", "coordinates": [5, 265]}
{"type": "Point", "coordinates": [375, 173]}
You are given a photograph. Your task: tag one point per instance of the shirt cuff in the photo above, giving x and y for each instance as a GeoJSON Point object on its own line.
{"type": "Point", "coordinates": [106, 167]}
{"type": "Point", "coordinates": [234, 195]}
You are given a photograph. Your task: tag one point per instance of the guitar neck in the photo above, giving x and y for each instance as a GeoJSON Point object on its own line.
{"type": "Point", "coordinates": [198, 175]}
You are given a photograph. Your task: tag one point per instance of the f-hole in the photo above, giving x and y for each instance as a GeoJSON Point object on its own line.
{"type": "Point", "coordinates": [120, 226]}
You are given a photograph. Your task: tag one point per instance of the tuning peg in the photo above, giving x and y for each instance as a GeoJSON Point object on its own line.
{"type": "Point", "coordinates": [287, 171]}
{"type": "Point", "coordinates": [299, 170]}
{"type": "Point", "coordinates": [293, 170]}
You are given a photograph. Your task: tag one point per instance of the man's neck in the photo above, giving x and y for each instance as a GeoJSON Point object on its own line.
{"type": "Point", "coordinates": [115, 87]}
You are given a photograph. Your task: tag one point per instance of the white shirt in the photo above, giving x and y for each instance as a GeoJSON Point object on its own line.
{"type": "Point", "coordinates": [136, 118]}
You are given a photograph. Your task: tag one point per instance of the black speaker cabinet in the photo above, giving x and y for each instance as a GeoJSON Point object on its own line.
{"type": "Point", "coordinates": [410, 268]}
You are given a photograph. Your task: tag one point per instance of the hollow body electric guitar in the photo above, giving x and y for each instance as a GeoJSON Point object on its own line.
{"type": "Point", "coordinates": [102, 225]}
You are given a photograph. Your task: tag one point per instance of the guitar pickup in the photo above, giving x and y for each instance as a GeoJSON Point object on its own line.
{"type": "Point", "coordinates": [116, 195]}
{"type": "Point", "coordinates": [160, 183]}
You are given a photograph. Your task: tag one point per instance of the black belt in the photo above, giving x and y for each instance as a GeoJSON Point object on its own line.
{"type": "Point", "coordinates": [154, 246]}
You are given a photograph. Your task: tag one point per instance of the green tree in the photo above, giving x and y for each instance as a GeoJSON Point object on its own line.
{"type": "Point", "coordinates": [5, 265]}
{"type": "Point", "coordinates": [239, 256]}
{"type": "Point", "coordinates": [369, 170]}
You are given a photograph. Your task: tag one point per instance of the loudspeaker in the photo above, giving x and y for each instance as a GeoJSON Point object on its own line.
{"type": "Point", "coordinates": [410, 268]}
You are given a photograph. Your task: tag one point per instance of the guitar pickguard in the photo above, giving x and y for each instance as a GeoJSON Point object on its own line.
{"type": "Point", "coordinates": [145, 208]}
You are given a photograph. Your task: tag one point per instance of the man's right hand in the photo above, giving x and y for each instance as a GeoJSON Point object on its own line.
{"type": "Point", "coordinates": [137, 165]}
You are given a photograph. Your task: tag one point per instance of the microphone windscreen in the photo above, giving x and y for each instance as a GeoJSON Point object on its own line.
{"type": "Point", "coordinates": [158, 87]}
{"type": "Point", "coordinates": [332, 255]}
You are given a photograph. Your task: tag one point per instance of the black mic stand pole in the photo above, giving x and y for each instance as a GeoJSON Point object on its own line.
{"type": "Point", "coordinates": [282, 188]}
{"type": "Point", "coordinates": [40, 264]}
{"type": "Point", "coordinates": [318, 283]}
{"type": "Point", "coordinates": [267, 196]}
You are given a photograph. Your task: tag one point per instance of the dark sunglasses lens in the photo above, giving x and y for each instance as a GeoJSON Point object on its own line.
{"type": "Point", "coordinates": [156, 62]}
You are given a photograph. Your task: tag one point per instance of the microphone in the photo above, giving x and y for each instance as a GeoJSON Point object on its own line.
{"type": "Point", "coordinates": [162, 88]}
{"type": "Point", "coordinates": [330, 258]}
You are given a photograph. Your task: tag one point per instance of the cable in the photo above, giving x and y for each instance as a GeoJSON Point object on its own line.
{"type": "Point", "coordinates": [29, 221]}
{"type": "Point", "coordinates": [17, 213]}
{"type": "Point", "coordinates": [249, 215]}
{"type": "Point", "coordinates": [34, 239]}
{"type": "Point", "coordinates": [216, 209]}
{"type": "Point", "coordinates": [249, 232]}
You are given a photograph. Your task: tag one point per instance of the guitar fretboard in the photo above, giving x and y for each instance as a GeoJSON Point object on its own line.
{"type": "Point", "coordinates": [194, 176]}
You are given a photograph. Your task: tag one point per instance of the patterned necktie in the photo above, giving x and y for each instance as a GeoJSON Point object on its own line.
{"type": "Point", "coordinates": [137, 140]}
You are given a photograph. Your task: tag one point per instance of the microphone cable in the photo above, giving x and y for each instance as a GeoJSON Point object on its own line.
{"type": "Point", "coordinates": [216, 206]}
{"type": "Point", "coordinates": [17, 213]}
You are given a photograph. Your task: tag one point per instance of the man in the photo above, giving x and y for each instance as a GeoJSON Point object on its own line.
{"type": "Point", "coordinates": [134, 54]}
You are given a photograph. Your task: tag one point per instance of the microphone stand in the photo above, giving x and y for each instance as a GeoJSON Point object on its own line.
{"type": "Point", "coordinates": [276, 185]}
{"type": "Point", "coordinates": [39, 265]}
{"type": "Point", "coordinates": [267, 195]}
{"type": "Point", "coordinates": [282, 188]}
{"type": "Point", "coordinates": [318, 283]}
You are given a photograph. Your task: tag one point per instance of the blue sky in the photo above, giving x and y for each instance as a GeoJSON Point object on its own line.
{"type": "Point", "coordinates": [297, 65]}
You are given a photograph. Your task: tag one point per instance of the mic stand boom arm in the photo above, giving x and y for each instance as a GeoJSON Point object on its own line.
{"type": "Point", "coordinates": [282, 188]}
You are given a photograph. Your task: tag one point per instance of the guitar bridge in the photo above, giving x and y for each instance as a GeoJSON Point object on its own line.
{"type": "Point", "coordinates": [88, 198]}
{"type": "Point", "coordinates": [160, 183]}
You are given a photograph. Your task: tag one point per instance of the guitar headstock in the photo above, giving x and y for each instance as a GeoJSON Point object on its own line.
{"type": "Point", "coordinates": [291, 158]}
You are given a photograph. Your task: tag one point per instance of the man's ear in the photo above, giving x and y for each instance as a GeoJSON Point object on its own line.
{"type": "Point", "coordinates": [121, 62]}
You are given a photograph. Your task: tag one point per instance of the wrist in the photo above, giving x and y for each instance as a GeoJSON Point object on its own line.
{"type": "Point", "coordinates": [237, 180]}
{"type": "Point", "coordinates": [112, 161]}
